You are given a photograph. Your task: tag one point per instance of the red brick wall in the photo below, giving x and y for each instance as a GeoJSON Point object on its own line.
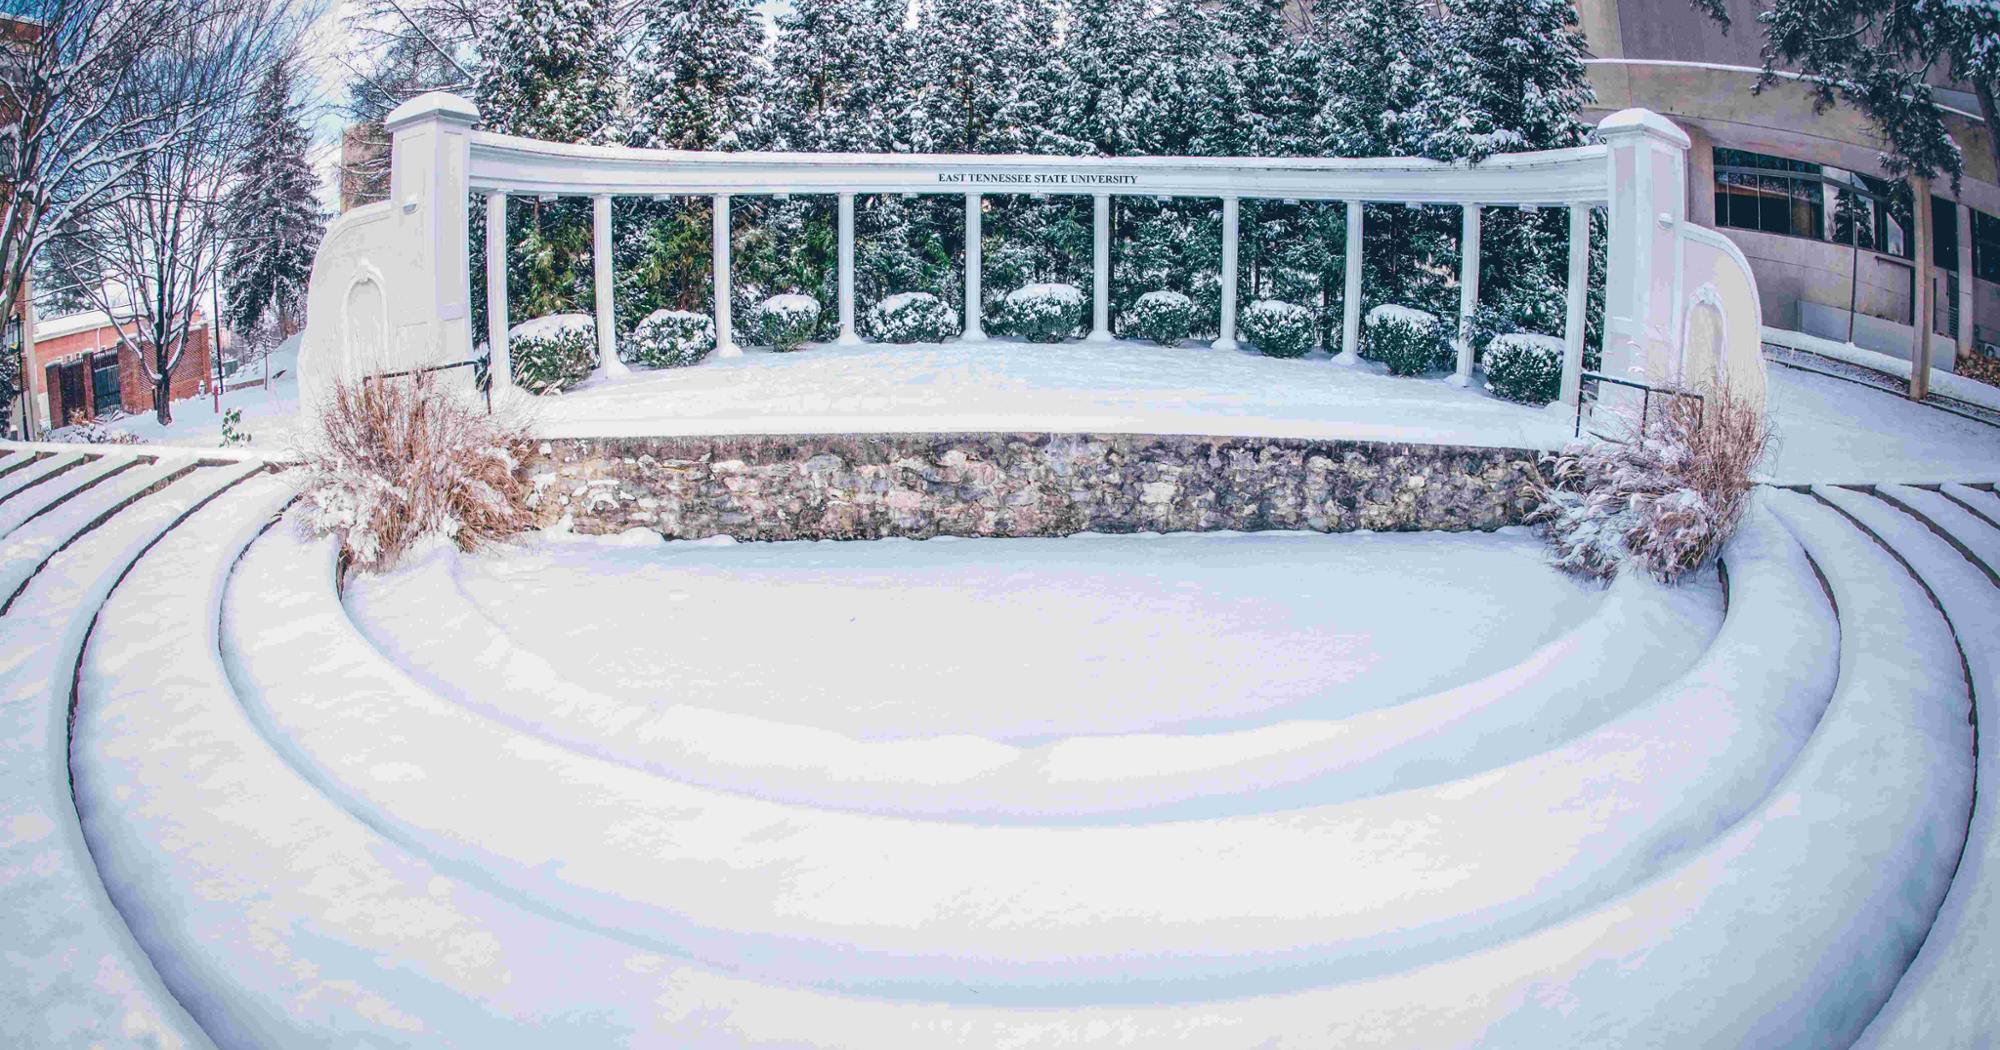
{"type": "Point", "coordinates": [192, 376]}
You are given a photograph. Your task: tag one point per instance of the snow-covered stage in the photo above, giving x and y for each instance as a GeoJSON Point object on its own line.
{"type": "Point", "coordinates": [1010, 386]}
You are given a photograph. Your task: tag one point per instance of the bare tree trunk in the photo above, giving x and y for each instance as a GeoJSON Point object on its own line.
{"type": "Point", "coordinates": [1922, 308]}
{"type": "Point", "coordinates": [163, 390]}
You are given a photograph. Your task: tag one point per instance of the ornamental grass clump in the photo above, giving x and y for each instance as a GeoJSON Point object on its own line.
{"type": "Point", "coordinates": [1525, 368]}
{"type": "Point", "coordinates": [394, 461]}
{"type": "Point", "coordinates": [786, 322]}
{"type": "Point", "coordinates": [911, 317]}
{"type": "Point", "coordinates": [1164, 317]}
{"type": "Point", "coordinates": [1411, 342]}
{"type": "Point", "coordinates": [551, 354]}
{"type": "Point", "coordinates": [1666, 498]}
{"type": "Point", "coordinates": [1278, 329]}
{"type": "Point", "coordinates": [669, 339]}
{"type": "Point", "coordinates": [1043, 313]}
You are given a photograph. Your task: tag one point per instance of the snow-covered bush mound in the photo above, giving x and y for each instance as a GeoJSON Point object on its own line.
{"type": "Point", "coordinates": [911, 317]}
{"type": "Point", "coordinates": [786, 321]}
{"type": "Point", "coordinates": [1411, 342]}
{"type": "Point", "coordinates": [394, 461]}
{"type": "Point", "coordinates": [1524, 367]}
{"type": "Point", "coordinates": [1164, 317]}
{"type": "Point", "coordinates": [1044, 313]}
{"type": "Point", "coordinates": [92, 432]}
{"type": "Point", "coordinates": [1665, 499]}
{"type": "Point", "coordinates": [550, 354]}
{"type": "Point", "coordinates": [669, 339]}
{"type": "Point", "coordinates": [1277, 328]}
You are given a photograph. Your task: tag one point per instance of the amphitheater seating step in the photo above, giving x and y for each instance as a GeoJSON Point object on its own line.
{"type": "Point", "coordinates": [70, 975]}
{"type": "Point", "coordinates": [34, 470]}
{"type": "Point", "coordinates": [53, 491]}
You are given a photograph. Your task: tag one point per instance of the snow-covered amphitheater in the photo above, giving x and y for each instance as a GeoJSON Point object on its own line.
{"type": "Point", "coordinates": [1222, 789]}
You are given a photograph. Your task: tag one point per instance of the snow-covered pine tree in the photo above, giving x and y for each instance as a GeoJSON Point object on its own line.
{"type": "Point", "coordinates": [1526, 78]}
{"type": "Point", "coordinates": [1102, 65]}
{"type": "Point", "coordinates": [697, 77]}
{"type": "Point", "coordinates": [548, 71]}
{"type": "Point", "coordinates": [831, 85]}
{"type": "Point", "coordinates": [1390, 85]}
{"type": "Point", "coordinates": [271, 215]}
{"type": "Point", "coordinates": [969, 60]}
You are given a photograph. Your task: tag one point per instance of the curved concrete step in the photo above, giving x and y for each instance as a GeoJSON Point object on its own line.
{"type": "Point", "coordinates": [53, 492]}
{"type": "Point", "coordinates": [25, 550]}
{"type": "Point", "coordinates": [1970, 530]}
{"type": "Point", "coordinates": [70, 975]}
{"type": "Point", "coordinates": [1950, 996]}
{"type": "Point", "coordinates": [898, 907]}
{"type": "Point", "coordinates": [1640, 638]}
{"type": "Point", "coordinates": [311, 930]}
{"type": "Point", "coordinates": [34, 470]}
{"type": "Point", "coordinates": [1982, 501]}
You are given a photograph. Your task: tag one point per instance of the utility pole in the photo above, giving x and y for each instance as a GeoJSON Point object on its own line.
{"type": "Point", "coordinates": [1921, 307]}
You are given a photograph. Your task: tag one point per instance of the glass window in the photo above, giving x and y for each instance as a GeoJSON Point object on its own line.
{"type": "Point", "coordinates": [1871, 213]}
{"type": "Point", "coordinates": [1985, 246]}
{"type": "Point", "coordinates": [1756, 191]}
{"type": "Point", "coordinates": [1944, 235]}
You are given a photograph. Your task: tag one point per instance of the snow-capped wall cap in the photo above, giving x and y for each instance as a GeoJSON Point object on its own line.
{"type": "Point", "coordinates": [1636, 121]}
{"type": "Point", "coordinates": [440, 104]}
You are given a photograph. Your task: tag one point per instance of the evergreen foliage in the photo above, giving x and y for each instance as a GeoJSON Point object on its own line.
{"type": "Point", "coordinates": [1278, 329]}
{"type": "Point", "coordinates": [549, 70]}
{"type": "Point", "coordinates": [271, 214]}
{"type": "Point", "coordinates": [1163, 317]}
{"type": "Point", "coordinates": [911, 317]}
{"type": "Point", "coordinates": [1525, 368]}
{"type": "Point", "coordinates": [551, 354]}
{"type": "Point", "coordinates": [669, 339]}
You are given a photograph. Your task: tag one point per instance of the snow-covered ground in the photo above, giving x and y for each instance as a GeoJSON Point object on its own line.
{"type": "Point", "coordinates": [1842, 432]}
{"type": "Point", "coordinates": [1828, 430]}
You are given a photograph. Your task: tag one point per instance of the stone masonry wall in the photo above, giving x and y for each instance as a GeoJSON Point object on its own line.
{"type": "Point", "coordinates": [866, 486]}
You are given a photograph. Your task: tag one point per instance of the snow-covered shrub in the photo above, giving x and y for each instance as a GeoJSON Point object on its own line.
{"type": "Point", "coordinates": [669, 339]}
{"type": "Point", "coordinates": [393, 461]}
{"type": "Point", "coordinates": [1278, 329]}
{"type": "Point", "coordinates": [550, 354]}
{"type": "Point", "coordinates": [83, 431]}
{"type": "Point", "coordinates": [1166, 318]}
{"type": "Point", "coordinates": [1666, 499]}
{"type": "Point", "coordinates": [1525, 368]}
{"type": "Point", "coordinates": [786, 321]}
{"type": "Point", "coordinates": [1043, 313]}
{"type": "Point", "coordinates": [911, 317]}
{"type": "Point", "coordinates": [1411, 342]}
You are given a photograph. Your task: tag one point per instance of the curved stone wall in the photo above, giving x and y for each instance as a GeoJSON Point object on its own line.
{"type": "Point", "coordinates": [868, 486]}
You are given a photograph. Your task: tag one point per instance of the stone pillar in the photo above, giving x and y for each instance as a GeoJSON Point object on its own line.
{"type": "Point", "coordinates": [430, 318]}
{"type": "Point", "coordinates": [1966, 299]}
{"type": "Point", "coordinates": [725, 340]}
{"type": "Point", "coordinates": [1350, 303]}
{"type": "Point", "coordinates": [499, 365]}
{"type": "Point", "coordinates": [600, 259]}
{"type": "Point", "coordinates": [1468, 292]}
{"type": "Point", "coordinates": [848, 336]}
{"type": "Point", "coordinates": [1648, 201]}
{"type": "Point", "coordinates": [1578, 300]}
{"type": "Point", "coordinates": [973, 265]}
{"type": "Point", "coordinates": [1100, 274]}
{"type": "Point", "coordinates": [1227, 339]}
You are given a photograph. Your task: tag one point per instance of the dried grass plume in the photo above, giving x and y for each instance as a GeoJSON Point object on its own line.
{"type": "Point", "coordinates": [395, 460]}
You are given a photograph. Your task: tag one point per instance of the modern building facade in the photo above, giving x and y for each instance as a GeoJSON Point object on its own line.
{"type": "Point", "coordinates": [1800, 192]}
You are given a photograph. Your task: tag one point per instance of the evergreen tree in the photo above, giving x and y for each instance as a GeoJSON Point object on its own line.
{"type": "Point", "coordinates": [698, 76]}
{"type": "Point", "coordinates": [271, 215]}
{"type": "Point", "coordinates": [548, 69]}
{"type": "Point", "coordinates": [1102, 68]}
{"type": "Point", "coordinates": [831, 87]}
{"type": "Point", "coordinates": [969, 61]}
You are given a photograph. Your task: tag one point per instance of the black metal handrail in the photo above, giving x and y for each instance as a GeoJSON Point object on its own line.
{"type": "Point", "coordinates": [1646, 390]}
{"type": "Point", "coordinates": [480, 366]}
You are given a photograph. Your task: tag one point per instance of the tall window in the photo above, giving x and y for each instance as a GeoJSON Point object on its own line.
{"type": "Point", "coordinates": [1985, 246]}
{"type": "Point", "coordinates": [1871, 213]}
{"type": "Point", "coordinates": [1756, 191]}
{"type": "Point", "coordinates": [1944, 234]}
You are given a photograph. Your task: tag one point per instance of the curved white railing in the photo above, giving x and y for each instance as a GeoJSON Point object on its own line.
{"type": "Point", "coordinates": [392, 291]}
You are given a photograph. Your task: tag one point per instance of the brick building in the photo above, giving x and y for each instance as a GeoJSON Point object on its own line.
{"type": "Point", "coordinates": [79, 368]}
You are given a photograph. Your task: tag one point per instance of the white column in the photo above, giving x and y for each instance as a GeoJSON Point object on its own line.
{"type": "Point", "coordinates": [1227, 339]}
{"type": "Point", "coordinates": [600, 258]}
{"type": "Point", "coordinates": [848, 336]}
{"type": "Point", "coordinates": [1100, 274]}
{"type": "Point", "coordinates": [1350, 303]}
{"type": "Point", "coordinates": [725, 342]}
{"type": "Point", "coordinates": [499, 365]}
{"type": "Point", "coordinates": [1966, 319]}
{"type": "Point", "coordinates": [1648, 184]}
{"type": "Point", "coordinates": [973, 264]}
{"type": "Point", "coordinates": [1468, 292]}
{"type": "Point", "coordinates": [1578, 300]}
